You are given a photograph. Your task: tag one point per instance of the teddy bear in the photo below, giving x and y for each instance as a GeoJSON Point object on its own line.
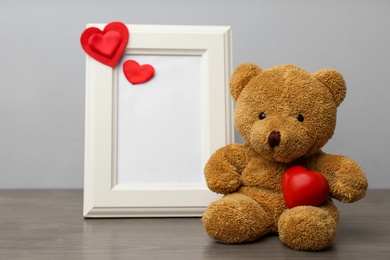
{"type": "Point", "coordinates": [285, 116]}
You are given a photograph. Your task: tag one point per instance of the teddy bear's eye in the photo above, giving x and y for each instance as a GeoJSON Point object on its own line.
{"type": "Point", "coordinates": [300, 118]}
{"type": "Point", "coordinates": [262, 116]}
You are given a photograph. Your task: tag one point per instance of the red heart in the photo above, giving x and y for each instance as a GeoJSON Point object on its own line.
{"type": "Point", "coordinates": [105, 46]}
{"type": "Point", "coordinates": [303, 187]}
{"type": "Point", "coordinates": [137, 74]}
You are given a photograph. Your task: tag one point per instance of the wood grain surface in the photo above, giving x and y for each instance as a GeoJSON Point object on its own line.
{"type": "Point", "coordinates": [48, 224]}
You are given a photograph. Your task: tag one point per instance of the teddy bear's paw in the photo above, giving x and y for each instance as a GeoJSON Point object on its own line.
{"type": "Point", "coordinates": [348, 182]}
{"type": "Point", "coordinates": [307, 228]}
{"type": "Point", "coordinates": [349, 191]}
{"type": "Point", "coordinates": [236, 218]}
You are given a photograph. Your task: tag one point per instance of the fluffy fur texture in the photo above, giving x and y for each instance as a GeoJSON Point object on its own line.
{"type": "Point", "coordinates": [285, 114]}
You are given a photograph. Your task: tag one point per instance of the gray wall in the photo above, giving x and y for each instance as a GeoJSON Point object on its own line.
{"type": "Point", "coordinates": [42, 70]}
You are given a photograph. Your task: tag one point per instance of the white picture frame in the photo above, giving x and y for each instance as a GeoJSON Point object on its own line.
{"type": "Point", "coordinates": [103, 195]}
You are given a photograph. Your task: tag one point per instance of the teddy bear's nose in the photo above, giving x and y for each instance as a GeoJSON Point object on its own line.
{"type": "Point", "coordinates": [274, 138]}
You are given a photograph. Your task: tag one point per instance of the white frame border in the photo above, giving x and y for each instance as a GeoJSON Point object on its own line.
{"type": "Point", "coordinates": [103, 197]}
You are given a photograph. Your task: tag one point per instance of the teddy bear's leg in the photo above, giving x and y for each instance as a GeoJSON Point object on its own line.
{"type": "Point", "coordinates": [309, 228]}
{"type": "Point", "coordinates": [236, 218]}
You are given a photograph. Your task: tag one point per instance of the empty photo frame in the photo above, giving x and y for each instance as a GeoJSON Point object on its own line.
{"type": "Point", "coordinates": [146, 144]}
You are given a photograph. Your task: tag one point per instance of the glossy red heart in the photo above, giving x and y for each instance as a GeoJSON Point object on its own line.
{"type": "Point", "coordinates": [302, 187]}
{"type": "Point", "coordinates": [137, 74]}
{"type": "Point", "coordinates": [105, 46]}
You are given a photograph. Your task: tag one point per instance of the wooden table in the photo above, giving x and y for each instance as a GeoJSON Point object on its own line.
{"type": "Point", "coordinates": [48, 224]}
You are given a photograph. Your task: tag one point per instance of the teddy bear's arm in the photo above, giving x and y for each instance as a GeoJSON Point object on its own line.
{"type": "Point", "coordinates": [223, 170]}
{"type": "Point", "coordinates": [347, 181]}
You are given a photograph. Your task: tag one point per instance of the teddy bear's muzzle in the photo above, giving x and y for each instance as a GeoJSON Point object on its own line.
{"type": "Point", "coordinates": [274, 139]}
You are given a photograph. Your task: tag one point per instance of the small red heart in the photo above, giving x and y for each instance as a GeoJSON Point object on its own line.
{"type": "Point", "coordinates": [105, 46]}
{"type": "Point", "coordinates": [302, 187]}
{"type": "Point", "coordinates": [137, 74]}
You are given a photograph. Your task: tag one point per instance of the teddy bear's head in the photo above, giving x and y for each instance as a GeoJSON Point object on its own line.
{"type": "Point", "coordinates": [285, 112]}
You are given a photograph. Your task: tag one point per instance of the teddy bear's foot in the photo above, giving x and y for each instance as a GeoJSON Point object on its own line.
{"type": "Point", "coordinates": [236, 218]}
{"type": "Point", "coordinates": [307, 228]}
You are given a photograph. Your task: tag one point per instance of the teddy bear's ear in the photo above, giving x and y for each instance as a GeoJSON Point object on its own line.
{"type": "Point", "coordinates": [334, 81]}
{"type": "Point", "coordinates": [241, 76]}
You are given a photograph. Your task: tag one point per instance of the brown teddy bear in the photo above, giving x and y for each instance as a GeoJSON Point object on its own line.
{"type": "Point", "coordinates": [285, 115]}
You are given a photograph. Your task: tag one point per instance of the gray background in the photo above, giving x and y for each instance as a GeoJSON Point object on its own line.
{"type": "Point", "coordinates": [42, 72]}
